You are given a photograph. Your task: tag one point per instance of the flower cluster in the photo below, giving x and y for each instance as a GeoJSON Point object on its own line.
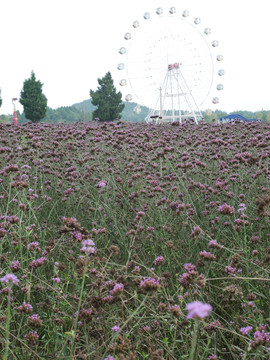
{"type": "Point", "coordinates": [188, 276]}
{"type": "Point", "coordinates": [34, 264]}
{"type": "Point", "coordinates": [101, 184]}
{"type": "Point", "coordinates": [261, 337]}
{"type": "Point", "coordinates": [198, 310]}
{"type": "Point", "coordinates": [245, 330]}
{"type": "Point", "coordinates": [226, 209]}
{"type": "Point", "coordinates": [117, 289]}
{"type": "Point", "coordinates": [207, 255]}
{"type": "Point", "coordinates": [31, 337]}
{"type": "Point", "coordinates": [159, 261]}
{"type": "Point", "coordinates": [149, 284]}
{"type": "Point", "coordinates": [10, 279]}
{"type": "Point", "coordinates": [34, 320]}
{"type": "Point", "coordinates": [88, 247]}
{"type": "Point", "coordinates": [26, 308]}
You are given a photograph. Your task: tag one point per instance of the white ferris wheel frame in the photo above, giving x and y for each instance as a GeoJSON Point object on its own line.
{"type": "Point", "coordinates": [174, 75]}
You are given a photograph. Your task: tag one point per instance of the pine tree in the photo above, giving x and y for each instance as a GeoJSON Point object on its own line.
{"type": "Point", "coordinates": [0, 99]}
{"type": "Point", "coordinates": [107, 99]}
{"type": "Point", "coordinates": [33, 100]}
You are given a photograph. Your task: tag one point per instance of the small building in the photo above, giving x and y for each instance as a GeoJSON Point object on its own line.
{"type": "Point", "coordinates": [236, 117]}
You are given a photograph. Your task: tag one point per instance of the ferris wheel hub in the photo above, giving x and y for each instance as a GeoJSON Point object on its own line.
{"type": "Point", "coordinates": [174, 66]}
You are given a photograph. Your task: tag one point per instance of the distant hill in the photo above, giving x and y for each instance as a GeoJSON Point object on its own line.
{"type": "Point", "coordinates": [82, 112]}
{"type": "Point", "coordinates": [128, 113]}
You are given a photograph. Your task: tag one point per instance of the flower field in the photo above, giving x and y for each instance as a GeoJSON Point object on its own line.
{"type": "Point", "coordinates": [135, 241]}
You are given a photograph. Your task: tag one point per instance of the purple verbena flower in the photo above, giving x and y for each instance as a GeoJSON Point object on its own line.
{"type": "Point", "coordinates": [25, 307]}
{"type": "Point", "coordinates": [226, 209]}
{"type": "Point", "coordinates": [149, 284]}
{"type": "Point", "coordinates": [10, 278]}
{"type": "Point", "coordinates": [31, 337]}
{"type": "Point", "coordinates": [34, 320]}
{"type": "Point", "coordinates": [260, 338]}
{"type": "Point", "coordinates": [34, 264]}
{"type": "Point", "coordinates": [212, 357]}
{"type": "Point", "coordinates": [117, 289]}
{"type": "Point", "coordinates": [230, 270]}
{"type": "Point", "coordinates": [15, 265]}
{"type": "Point", "coordinates": [101, 184]}
{"type": "Point", "coordinates": [56, 280]}
{"type": "Point", "coordinates": [198, 310]}
{"type": "Point", "coordinates": [214, 244]}
{"type": "Point", "coordinates": [189, 267]}
{"type": "Point", "coordinates": [207, 255]}
{"type": "Point", "coordinates": [88, 247]}
{"type": "Point", "coordinates": [34, 246]}
{"type": "Point", "coordinates": [115, 328]}
{"type": "Point", "coordinates": [245, 330]}
{"type": "Point", "coordinates": [159, 261]}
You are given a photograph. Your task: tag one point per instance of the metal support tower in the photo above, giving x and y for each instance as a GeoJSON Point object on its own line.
{"type": "Point", "coordinates": [175, 101]}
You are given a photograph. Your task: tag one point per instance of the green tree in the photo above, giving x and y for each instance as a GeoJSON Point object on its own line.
{"type": "Point", "coordinates": [107, 99]}
{"type": "Point", "coordinates": [0, 98]}
{"type": "Point", "coordinates": [33, 100]}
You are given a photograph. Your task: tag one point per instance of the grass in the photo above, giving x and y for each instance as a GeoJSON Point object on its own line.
{"type": "Point", "coordinates": [175, 214]}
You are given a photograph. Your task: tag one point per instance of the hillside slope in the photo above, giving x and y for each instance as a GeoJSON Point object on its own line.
{"type": "Point", "coordinates": [128, 113]}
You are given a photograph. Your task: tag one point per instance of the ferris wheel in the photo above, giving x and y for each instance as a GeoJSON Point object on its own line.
{"type": "Point", "coordinates": [168, 63]}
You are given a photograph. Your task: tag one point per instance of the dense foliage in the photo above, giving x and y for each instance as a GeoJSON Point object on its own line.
{"type": "Point", "coordinates": [83, 112]}
{"type": "Point", "coordinates": [64, 114]}
{"type": "Point", "coordinates": [34, 102]}
{"type": "Point", "coordinates": [110, 232]}
{"type": "Point", "coordinates": [107, 99]}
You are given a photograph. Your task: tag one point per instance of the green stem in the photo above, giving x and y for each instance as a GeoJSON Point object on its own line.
{"type": "Point", "coordinates": [194, 340]}
{"type": "Point", "coordinates": [124, 324]}
{"type": "Point", "coordinates": [6, 213]}
{"type": "Point", "coordinates": [7, 326]}
{"type": "Point", "coordinates": [78, 310]}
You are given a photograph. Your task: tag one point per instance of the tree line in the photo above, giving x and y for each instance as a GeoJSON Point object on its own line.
{"type": "Point", "coordinates": [105, 104]}
{"type": "Point", "coordinates": [107, 100]}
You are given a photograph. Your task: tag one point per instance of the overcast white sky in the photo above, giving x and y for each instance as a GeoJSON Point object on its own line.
{"type": "Point", "coordinates": [71, 43]}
